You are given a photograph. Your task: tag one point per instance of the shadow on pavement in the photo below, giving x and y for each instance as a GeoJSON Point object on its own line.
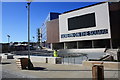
{"type": "Point", "coordinates": [4, 63]}
{"type": "Point", "coordinates": [38, 68]}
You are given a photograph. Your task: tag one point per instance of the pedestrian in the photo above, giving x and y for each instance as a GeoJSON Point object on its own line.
{"type": "Point", "coordinates": [55, 53]}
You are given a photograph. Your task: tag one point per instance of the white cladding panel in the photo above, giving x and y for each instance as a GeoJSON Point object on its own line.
{"type": "Point", "coordinates": [102, 22]}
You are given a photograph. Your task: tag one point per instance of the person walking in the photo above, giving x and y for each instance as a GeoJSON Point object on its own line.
{"type": "Point", "coordinates": [55, 53]}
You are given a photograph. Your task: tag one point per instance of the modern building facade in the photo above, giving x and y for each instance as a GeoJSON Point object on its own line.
{"type": "Point", "coordinates": [44, 31]}
{"type": "Point", "coordinates": [94, 26]}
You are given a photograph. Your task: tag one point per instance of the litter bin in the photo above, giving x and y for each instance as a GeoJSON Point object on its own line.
{"type": "Point", "coordinates": [98, 71]}
{"type": "Point", "coordinates": [24, 63]}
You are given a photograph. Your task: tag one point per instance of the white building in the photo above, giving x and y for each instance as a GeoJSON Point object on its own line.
{"type": "Point", "coordinates": [94, 26]}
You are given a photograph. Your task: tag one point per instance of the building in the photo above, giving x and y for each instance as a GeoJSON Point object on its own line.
{"type": "Point", "coordinates": [94, 26]}
{"type": "Point", "coordinates": [17, 46]}
{"type": "Point", "coordinates": [44, 30]}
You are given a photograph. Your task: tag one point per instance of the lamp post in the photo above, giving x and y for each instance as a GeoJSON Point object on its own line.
{"type": "Point", "coordinates": [28, 7]}
{"type": "Point", "coordinates": [33, 38]}
{"type": "Point", "coordinates": [8, 42]}
{"type": "Point", "coordinates": [8, 38]}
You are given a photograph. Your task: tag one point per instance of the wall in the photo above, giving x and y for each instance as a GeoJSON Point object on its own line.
{"type": "Point", "coordinates": [115, 23]}
{"type": "Point", "coordinates": [102, 22]}
{"type": "Point", "coordinates": [53, 31]}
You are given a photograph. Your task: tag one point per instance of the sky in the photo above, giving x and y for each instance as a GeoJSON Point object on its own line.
{"type": "Point", "coordinates": [14, 17]}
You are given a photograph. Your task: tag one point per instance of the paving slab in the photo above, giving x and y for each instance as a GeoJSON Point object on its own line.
{"type": "Point", "coordinates": [53, 70]}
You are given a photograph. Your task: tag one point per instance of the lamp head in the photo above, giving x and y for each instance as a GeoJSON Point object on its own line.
{"type": "Point", "coordinates": [29, 1]}
{"type": "Point", "coordinates": [8, 35]}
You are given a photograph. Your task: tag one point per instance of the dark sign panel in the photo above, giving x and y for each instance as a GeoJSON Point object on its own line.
{"type": "Point", "coordinates": [84, 21]}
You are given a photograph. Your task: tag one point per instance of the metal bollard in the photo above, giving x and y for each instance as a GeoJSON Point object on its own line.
{"type": "Point", "coordinates": [98, 72]}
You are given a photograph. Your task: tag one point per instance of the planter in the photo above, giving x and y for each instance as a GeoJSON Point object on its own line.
{"type": "Point", "coordinates": [24, 63]}
{"type": "Point", "coordinates": [106, 64]}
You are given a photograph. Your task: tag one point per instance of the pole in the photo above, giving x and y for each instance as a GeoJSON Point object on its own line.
{"type": "Point", "coordinates": [33, 39]}
{"type": "Point", "coordinates": [8, 43]}
{"type": "Point", "coordinates": [8, 39]}
{"type": "Point", "coordinates": [92, 44]}
{"type": "Point", "coordinates": [65, 45]}
{"type": "Point", "coordinates": [77, 45]}
{"type": "Point", "coordinates": [111, 44]}
{"type": "Point", "coordinates": [28, 7]}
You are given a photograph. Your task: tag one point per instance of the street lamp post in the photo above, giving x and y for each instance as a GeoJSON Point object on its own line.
{"type": "Point", "coordinates": [8, 42]}
{"type": "Point", "coordinates": [8, 38]}
{"type": "Point", "coordinates": [33, 38]}
{"type": "Point", "coordinates": [28, 7]}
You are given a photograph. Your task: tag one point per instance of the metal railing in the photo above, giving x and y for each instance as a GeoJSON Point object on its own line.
{"type": "Point", "coordinates": [73, 58]}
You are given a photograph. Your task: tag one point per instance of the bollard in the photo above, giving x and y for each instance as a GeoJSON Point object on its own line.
{"type": "Point", "coordinates": [46, 60]}
{"type": "Point", "coordinates": [97, 72]}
